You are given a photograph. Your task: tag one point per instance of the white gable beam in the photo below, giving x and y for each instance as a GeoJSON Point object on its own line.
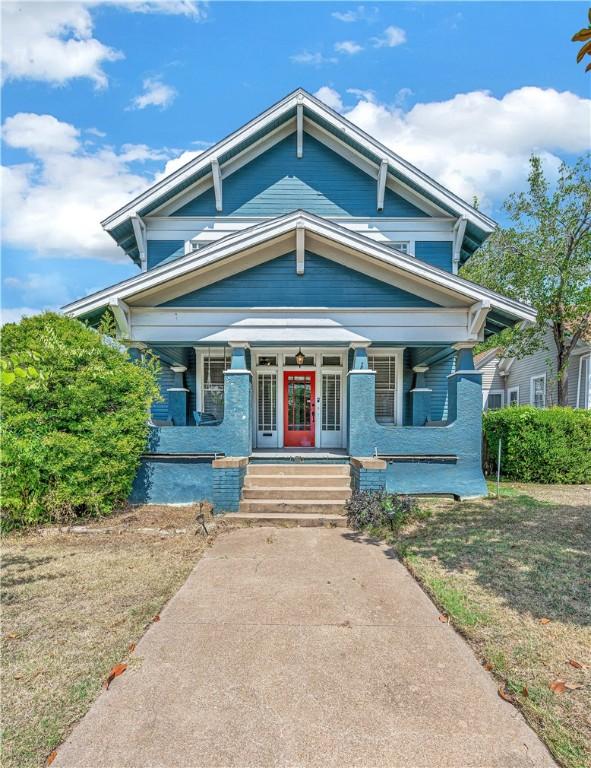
{"type": "Point", "coordinates": [477, 318]}
{"type": "Point", "coordinates": [382, 175]}
{"type": "Point", "coordinates": [300, 130]}
{"type": "Point", "coordinates": [121, 314]}
{"type": "Point", "coordinates": [300, 248]}
{"type": "Point", "coordinates": [217, 183]}
{"type": "Point", "coordinates": [459, 231]}
{"type": "Point", "coordinates": [139, 230]}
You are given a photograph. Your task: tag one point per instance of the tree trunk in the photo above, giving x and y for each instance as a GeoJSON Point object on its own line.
{"type": "Point", "coordinates": [562, 376]}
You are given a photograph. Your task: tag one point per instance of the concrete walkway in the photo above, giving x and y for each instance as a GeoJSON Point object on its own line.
{"type": "Point", "coordinates": [302, 647]}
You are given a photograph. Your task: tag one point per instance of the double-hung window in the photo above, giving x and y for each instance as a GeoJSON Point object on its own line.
{"type": "Point", "coordinates": [385, 367]}
{"type": "Point", "coordinates": [214, 364]}
{"type": "Point", "coordinates": [513, 396]}
{"type": "Point", "coordinates": [495, 399]}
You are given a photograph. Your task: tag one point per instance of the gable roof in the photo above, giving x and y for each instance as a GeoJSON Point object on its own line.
{"type": "Point", "coordinates": [120, 226]}
{"type": "Point", "coordinates": [503, 311]}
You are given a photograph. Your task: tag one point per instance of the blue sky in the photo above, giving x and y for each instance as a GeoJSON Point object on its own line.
{"type": "Point", "coordinates": [118, 90]}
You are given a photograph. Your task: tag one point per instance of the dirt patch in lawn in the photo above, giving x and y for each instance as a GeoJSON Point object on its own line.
{"type": "Point", "coordinates": [73, 605]}
{"type": "Point", "coordinates": [514, 576]}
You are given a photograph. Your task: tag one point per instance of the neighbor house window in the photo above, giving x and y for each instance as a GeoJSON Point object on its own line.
{"type": "Point", "coordinates": [385, 368]}
{"type": "Point", "coordinates": [399, 246]}
{"type": "Point", "coordinates": [584, 382]}
{"type": "Point", "coordinates": [538, 391]}
{"type": "Point", "coordinates": [214, 364]}
{"type": "Point", "coordinates": [513, 396]}
{"type": "Point", "coordinates": [495, 400]}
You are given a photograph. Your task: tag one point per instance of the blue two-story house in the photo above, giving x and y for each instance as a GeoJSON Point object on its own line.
{"type": "Point", "coordinates": [299, 283]}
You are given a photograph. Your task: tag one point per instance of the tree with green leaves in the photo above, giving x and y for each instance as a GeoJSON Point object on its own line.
{"type": "Point", "coordinates": [74, 420]}
{"type": "Point", "coordinates": [544, 259]}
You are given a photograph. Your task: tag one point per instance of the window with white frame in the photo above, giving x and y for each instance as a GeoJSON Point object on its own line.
{"type": "Point", "coordinates": [513, 396]}
{"type": "Point", "coordinates": [538, 391]}
{"type": "Point", "coordinates": [385, 368]}
{"type": "Point", "coordinates": [584, 382]}
{"type": "Point", "coordinates": [399, 245]}
{"type": "Point", "coordinates": [495, 399]}
{"type": "Point", "coordinates": [213, 365]}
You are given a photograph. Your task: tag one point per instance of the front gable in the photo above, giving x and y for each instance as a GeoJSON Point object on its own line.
{"type": "Point", "coordinates": [275, 283]}
{"type": "Point", "coordinates": [277, 182]}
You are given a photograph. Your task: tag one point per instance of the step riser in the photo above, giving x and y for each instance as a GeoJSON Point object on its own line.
{"type": "Point", "coordinates": [315, 494]}
{"type": "Point", "coordinates": [303, 522]}
{"type": "Point", "coordinates": [292, 507]}
{"type": "Point", "coordinates": [273, 481]}
{"type": "Point", "coordinates": [320, 470]}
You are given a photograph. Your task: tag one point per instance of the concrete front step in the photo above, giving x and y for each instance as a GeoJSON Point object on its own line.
{"type": "Point", "coordinates": [288, 519]}
{"type": "Point", "coordinates": [297, 481]}
{"type": "Point", "coordinates": [291, 506]}
{"type": "Point", "coordinates": [327, 493]}
{"type": "Point", "coordinates": [320, 470]}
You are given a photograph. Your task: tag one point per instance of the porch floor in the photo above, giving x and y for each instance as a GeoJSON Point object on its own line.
{"type": "Point", "coordinates": [307, 453]}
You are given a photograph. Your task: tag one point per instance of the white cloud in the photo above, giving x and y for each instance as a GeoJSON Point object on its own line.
{"type": "Point", "coordinates": [52, 42]}
{"type": "Point", "coordinates": [177, 162]}
{"type": "Point", "coordinates": [390, 38]}
{"type": "Point", "coordinates": [315, 59]}
{"type": "Point", "coordinates": [361, 13]}
{"type": "Point", "coordinates": [53, 204]}
{"type": "Point", "coordinates": [14, 314]}
{"type": "Point", "coordinates": [348, 46]}
{"type": "Point", "coordinates": [330, 97]}
{"type": "Point", "coordinates": [156, 94]}
{"type": "Point", "coordinates": [47, 289]}
{"type": "Point", "coordinates": [476, 143]}
{"type": "Point", "coordinates": [195, 10]}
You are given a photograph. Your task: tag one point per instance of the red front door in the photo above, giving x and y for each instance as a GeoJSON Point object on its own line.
{"type": "Point", "coordinates": [298, 408]}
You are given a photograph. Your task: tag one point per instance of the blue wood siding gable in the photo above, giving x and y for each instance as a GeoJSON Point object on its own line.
{"type": "Point", "coordinates": [325, 283]}
{"type": "Point", "coordinates": [436, 253]}
{"type": "Point", "coordinates": [160, 251]}
{"type": "Point", "coordinates": [277, 182]}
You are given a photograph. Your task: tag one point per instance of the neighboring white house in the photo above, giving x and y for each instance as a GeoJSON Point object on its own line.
{"type": "Point", "coordinates": [532, 380]}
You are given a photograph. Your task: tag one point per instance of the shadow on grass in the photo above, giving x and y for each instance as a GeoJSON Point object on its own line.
{"type": "Point", "coordinates": [19, 570]}
{"type": "Point", "coordinates": [534, 555]}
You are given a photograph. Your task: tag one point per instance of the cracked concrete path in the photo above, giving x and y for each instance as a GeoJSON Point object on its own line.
{"type": "Point", "coordinates": [302, 647]}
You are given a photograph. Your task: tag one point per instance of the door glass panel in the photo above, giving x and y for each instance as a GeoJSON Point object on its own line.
{"type": "Point", "coordinates": [298, 403]}
{"type": "Point", "coordinates": [331, 402]}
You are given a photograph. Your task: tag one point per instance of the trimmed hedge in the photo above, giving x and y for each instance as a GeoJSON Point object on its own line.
{"type": "Point", "coordinates": [73, 432]}
{"type": "Point", "coordinates": [539, 445]}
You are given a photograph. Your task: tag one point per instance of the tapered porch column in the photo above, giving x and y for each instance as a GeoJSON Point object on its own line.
{"type": "Point", "coordinates": [238, 400]}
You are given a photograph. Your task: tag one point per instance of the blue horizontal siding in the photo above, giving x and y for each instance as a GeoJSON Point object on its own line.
{"type": "Point", "coordinates": [165, 380]}
{"type": "Point", "coordinates": [160, 250]}
{"type": "Point", "coordinates": [277, 182]}
{"type": "Point", "coordinates": [436, 253]}
{"type": "Point", "coordinates": [325, 283]}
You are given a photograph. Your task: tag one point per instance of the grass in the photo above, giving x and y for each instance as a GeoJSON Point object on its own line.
{"type": "Point", "coordinates": [72, 604]}
{"type": "Point", "coordinates": [498, 567]}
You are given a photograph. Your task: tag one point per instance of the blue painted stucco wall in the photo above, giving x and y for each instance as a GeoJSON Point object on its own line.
{"type": "Point", "coordinates": [277, 182]}
{"type": "Point", "coordinates": [172, 481]}
{"type": "Point", "coordinates": [275, 283]}
{"type": "Point", "coordinates": [460, 438]}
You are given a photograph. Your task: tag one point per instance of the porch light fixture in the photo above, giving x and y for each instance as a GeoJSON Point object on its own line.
{"type": "Point", "coordinates": [299, 358]}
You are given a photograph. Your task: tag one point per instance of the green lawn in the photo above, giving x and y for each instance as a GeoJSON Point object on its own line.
{"type": "Point", "coordinates": [499, 569]}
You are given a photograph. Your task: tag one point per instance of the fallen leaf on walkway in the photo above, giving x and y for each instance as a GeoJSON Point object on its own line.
{"type": "Point", "coordinates": [544, 621]}
{"type": "Point", "coordinates": [117, 670]}
{"type": "Point", "coordinates": [131, 647]}
{"type": "Point", "coordinates": [572, 686]}
{"type": "Point", "coordinates": [577, 664]}
{"type": "Point", "coordinates": [51, 757]}
{"type": "Point", "coordinates": [156, 618]}
{"type": "Point", "coordinates": [488, 666]}
{"type": "Point", "coordinates": [443, 618]}
{"type": "Point", "coordinates": [558, 686]}
{"type": "Point", "coordinates": [505, 695]}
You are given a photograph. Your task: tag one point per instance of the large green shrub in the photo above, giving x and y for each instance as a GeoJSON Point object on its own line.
{"type": "Point", "coordinates": [540, 445]}
{"type": "Point", "coordinates": [73, 432]}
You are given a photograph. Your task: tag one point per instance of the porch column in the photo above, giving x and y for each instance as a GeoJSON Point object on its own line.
{"type": "Point", "coordinates": [465, 379]}
{"type": "Point", "coordinates": [238, 401]}
{"type": "Point", "coordinates": [421, 397]}
{"type": "Point", "coordinates": [178, 397]}
{"type": "Point", "coordinates": [361, 392]}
